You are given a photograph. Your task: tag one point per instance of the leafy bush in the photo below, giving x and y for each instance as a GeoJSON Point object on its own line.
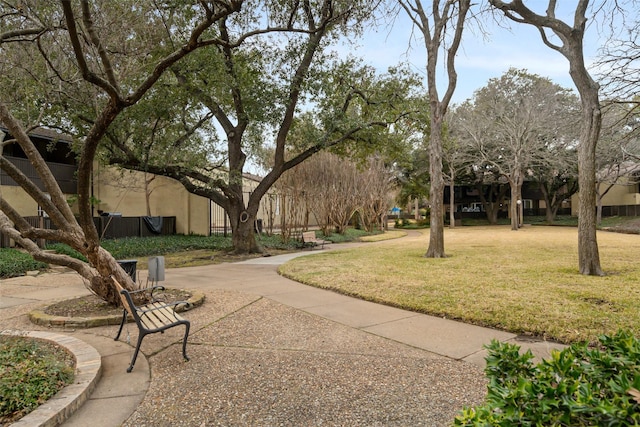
{"type": "Point", "coordinates": [61, 248]}
{"type": "Point", "coordinates": [411, 224]}
{"type": "Point", "coordinates": [349, 235]}
{"type": "Point", "coordinates": [579, 386]}
{"type": "Point", "coordinates": [14, 263]}
{"type": "Point", "coordinates": [31, 371]}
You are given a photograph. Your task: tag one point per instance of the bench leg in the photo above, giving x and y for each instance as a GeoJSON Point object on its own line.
{"type": "Point", "coordinates": [124, 320]}
{"type": "Point", "coordinates": [135, 353]}
{"type": "Point", "coordinates": [184, 340]}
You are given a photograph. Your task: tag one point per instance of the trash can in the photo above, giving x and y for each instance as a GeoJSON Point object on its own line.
{"type": "Point", "coordinates": [130, 267]}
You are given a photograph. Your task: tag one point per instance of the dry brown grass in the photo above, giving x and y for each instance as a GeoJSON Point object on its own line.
{"type": "Point", "coordinates": [524, 281]}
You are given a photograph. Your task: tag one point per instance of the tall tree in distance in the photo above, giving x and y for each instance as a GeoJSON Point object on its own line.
{"type": "Point", "coordinates": [512, 122]}
{"type": "Point", "coordinates": [570, 44]}
{"type": "Point", "coordinates": [441, 25]}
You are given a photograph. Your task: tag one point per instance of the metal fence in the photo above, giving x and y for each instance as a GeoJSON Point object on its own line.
{"type": "Point", "coordinates": [111, 227]}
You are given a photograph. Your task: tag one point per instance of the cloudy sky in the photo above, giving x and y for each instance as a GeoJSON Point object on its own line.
{"type": "Point", "coordinates": [480, 57]}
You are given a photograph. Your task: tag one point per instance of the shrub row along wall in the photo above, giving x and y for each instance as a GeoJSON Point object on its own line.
{"type": "Point", "coordinates": [109, 227]}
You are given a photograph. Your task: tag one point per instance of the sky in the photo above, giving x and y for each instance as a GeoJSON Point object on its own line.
{"type": "Point", "coordinates": [480, 58]}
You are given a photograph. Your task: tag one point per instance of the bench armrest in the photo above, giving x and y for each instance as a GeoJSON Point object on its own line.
{"type": "Point", "coordinates": [150, 290]}
{"type": "Point", "coordinates": [171, 305]}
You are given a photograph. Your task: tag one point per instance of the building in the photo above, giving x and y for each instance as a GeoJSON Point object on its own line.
{"type": "Point", "coordinates": [114, 192]}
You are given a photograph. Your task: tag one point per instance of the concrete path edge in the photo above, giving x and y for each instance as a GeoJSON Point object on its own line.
{"type": "Point", "coordinates": [68, 400]}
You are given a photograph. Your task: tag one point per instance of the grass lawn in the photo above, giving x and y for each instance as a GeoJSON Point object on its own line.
{"type": "Point", "coordinates": [522, 281]}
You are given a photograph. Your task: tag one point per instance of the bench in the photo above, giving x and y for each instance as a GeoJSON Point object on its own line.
{"type": "Point", "coordinates": [309, 239]}
{"type": "Point", "coordinates": [150, 318]}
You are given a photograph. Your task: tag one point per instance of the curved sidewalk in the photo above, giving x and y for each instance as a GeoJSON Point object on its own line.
{"type": "Point", "coordinates": [266, 350]}
{"type": "Point", "coordinates": [449, 338]}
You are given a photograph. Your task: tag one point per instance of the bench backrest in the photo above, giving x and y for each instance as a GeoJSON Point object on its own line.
{"type": "Point", "coordinates": [123, 298]}
{"type": "Point", "coordinates": [309, 236]}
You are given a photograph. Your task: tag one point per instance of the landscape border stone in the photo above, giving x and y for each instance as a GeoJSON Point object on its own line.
{"type": "Point", "coordinates": [88, 371]}
{"type": "Point", "coordinates": [39, 317]}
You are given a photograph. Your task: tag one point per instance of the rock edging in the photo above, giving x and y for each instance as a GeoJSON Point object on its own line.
{"type": "Point", "coordinates": [39, 317]}
{"type": "Point", "coordinates": [88, 371]}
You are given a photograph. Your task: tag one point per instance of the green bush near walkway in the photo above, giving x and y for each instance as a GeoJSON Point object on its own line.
{"type": "Point", "coordinates": [16, 263]}
{"type": "Point", "coordinates": [579, 386]}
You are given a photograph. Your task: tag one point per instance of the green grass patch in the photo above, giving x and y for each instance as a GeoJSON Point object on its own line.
{"type": "Point", "coordinates": [15, 263]}
{"type": "Point", "coordinates": [31, 371]}
{"type": "Point", "coordinates": [523, 281]}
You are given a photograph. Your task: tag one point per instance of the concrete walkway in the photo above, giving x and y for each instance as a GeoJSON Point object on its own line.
{"type": "Point", "coordinates": [253, 315]}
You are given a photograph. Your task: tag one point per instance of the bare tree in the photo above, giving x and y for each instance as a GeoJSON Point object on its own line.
{"type": "Point", "coordinates": [377, 194]}
{"type": "Point", "coordinates": [618, 152]}
{"type": "Point", "coordinates": [511, 124]}
{"type": "Point", "coordinates": [557, 178]}
{"type": "Point", "coordinates": [293, 193]}
{"type": "Point", "coordinates": [48, 48]}
{"type": "Point", "coordinates": [570, 45]}
{"type": "Point", "coordinates": [619, 72]}
{"type": "Point", "coordinates": [332, 189]}
{"type": "Point", "coordinates": [434, 22]}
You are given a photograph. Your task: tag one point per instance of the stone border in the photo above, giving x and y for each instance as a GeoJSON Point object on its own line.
{"type": "Point", "coordinates": [88, 371]}
{"type": "Point", "coordinates": [39, 317]}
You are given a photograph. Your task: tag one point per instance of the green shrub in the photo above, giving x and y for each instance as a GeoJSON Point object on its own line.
{"type": "Point", "coordinates": [14, 263]}
{"type": "Point", "coordinates": [412, 224]}
{"type": "Point", "coordinates": [31, 371]}
{"type": "Point", "coordinates": [349, 235]}
{"type": "Point", "coordinates": [579, 386]}
{"type": "Point", "coordinates": [61, 248]}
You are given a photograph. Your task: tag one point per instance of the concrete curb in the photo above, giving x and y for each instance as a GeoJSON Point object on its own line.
{"type": "Point", "coordinates": [39, 317]}
{"type": "Point", "coordinates": [68, 400]}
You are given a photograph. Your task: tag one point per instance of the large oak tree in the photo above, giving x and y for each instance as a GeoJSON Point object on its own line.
{"type": "Point", "coordinates": [53, 55]}
{"type": "Point", "coordinates": [252, 88]}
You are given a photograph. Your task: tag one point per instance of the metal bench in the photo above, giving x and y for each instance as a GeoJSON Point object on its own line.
{"type": "Point", "coordinates": [150, 318]}
{"type": "Point", "coordinates": [309, 239]}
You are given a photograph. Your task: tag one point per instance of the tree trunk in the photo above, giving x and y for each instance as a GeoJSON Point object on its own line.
{"type": "Point", "coordinates": [598, 209]}
{"type": "Point", "coordinates": [452, 203]}
{"type": "Point", "coordinates": [515, 206]}
{"type": "Point", "coordinates": [243, 229]}
{"type": "Point", "coordinates": [588, 254]}
{"type": "Point", "coordinates": [101, 284]}
{"type": "Point", "coordinates": [514, 211]}
{"type": "Point", "coordinates": [550, 214]}
{"type": "Point", "coordinates": [436, 192]}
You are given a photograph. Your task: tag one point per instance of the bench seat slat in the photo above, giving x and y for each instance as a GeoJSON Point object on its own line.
{"type": "Point", "coordinates": [155, 316]}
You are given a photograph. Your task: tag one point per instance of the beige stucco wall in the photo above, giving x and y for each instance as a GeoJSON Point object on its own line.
{"type": "Point", "coordinates": [124, 192]}
{"type": "Point", "coordinates": [20, 200]}
{"type": "Point", "coordinates": [618, 195]}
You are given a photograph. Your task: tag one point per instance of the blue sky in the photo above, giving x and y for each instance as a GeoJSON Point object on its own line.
{"type": "Point", "coordinates": [480, 57]}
